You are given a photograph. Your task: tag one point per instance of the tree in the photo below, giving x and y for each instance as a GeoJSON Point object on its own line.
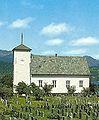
{"type": "Point", "coordinates": [5, 92]}
{"type": "Point", "coordinates": [1, 93]}
{"type": "Point", "coordinates": [21, 88]}
{"type": "Point", "coordinates": [36, 91]}
{"type": "Point", "coordinates": [92, 88]}
{"type": "Point", "coordinates": [97, 90]}
{"type": "Point", "coordinates": [7, 80]}
{"type": "Point", "coordinates": [85, 91]}
{"type": "Point", "coordinates": [27, 90]}
{"type": "Point", "coordinates": [33, 87]}
{"type": "Point", "coordinates": [71, 89]}
{"type": "Point", "coordinates": [6, 86]}
{"type": "Point", "coordinates": [47, 88]}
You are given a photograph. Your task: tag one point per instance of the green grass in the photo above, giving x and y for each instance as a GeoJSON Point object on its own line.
{"type": "Point", "coordinates": [57, 103]}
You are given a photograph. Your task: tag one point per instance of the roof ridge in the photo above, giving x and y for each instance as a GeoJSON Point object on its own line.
{"type": "Point", "coordinates": [56, 56]}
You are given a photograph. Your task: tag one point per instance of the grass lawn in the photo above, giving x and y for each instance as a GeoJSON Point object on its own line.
{"type": "Point", "coordinates": [50, 108]}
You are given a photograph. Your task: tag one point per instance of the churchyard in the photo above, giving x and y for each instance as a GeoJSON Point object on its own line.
{"type": "Point", "coordinates": [50, 108]}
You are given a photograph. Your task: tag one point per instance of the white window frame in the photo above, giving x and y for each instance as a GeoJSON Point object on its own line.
{"type": "Point", "coordinates": [54, 83]}
{"type": "Point", "coordinates": [40, 83]}
{"type": "Point", "coordinates": [67, 83]}
{"type": "Point", "coordinates": [81, 82]}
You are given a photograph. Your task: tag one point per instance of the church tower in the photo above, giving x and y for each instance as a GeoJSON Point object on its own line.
{"type": "Point", "coordinates": [21, 62]}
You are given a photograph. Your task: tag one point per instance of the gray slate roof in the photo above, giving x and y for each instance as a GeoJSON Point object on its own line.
{"type": "Point", "coordinates": [67, 65]}
{"type": "Point", "coordinates": [22, 47]}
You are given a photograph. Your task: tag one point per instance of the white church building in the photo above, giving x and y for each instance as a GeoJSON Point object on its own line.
{"type": "Point", "coordinates": [59, 71]}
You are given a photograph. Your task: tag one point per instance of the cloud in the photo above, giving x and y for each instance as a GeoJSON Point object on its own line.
{"type": "Point", "coordinates": [96, 56]}
{"type": "Point", "coordinates": [21, 23]}
{"type": "Point", "coordinates": [49, 52]}
{"type": "Point", "coordinates": [85, 41]}
{"type": "Point", "coordinates": [1, 23]}
{"type": "Point", "coordinates": [29, 4]}
{"type": "Point", "coordinates": [55, 42]}
{"type": "Point", "coordinates": [55, 29]}
{"type": "Point", "coordinates": [76, 52]}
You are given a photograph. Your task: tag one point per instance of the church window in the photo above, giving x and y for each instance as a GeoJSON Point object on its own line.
{"type": "Point", "coordinates": [81, 83]}
{"type": "Point", "coordinates": [54, 83]}
{"type": "Point", "coordinates": [40, 83]}
{"type": "Point", "coordinates": [67, 83]}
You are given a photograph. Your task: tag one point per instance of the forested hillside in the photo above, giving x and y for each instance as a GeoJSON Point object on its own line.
{"type": "Point", "coordinates": [94, 73]}
{"type": "Point", "coordinates": [5, 68]}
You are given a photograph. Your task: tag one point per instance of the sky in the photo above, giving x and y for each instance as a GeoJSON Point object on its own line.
{"type": "Point", "coordinates": [65, 27]}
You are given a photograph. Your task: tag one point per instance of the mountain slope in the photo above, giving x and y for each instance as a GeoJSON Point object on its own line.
{"type": "Point", "coordinates": [6, 56]}
{"type": "Point", "coordinates": [91, 61]}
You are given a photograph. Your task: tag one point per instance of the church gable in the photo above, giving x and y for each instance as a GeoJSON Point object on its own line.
{"type": "Point", "coordinates": [68, 65]}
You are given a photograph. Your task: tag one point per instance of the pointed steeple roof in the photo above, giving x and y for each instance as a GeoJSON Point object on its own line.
{"type": "Point", "coordinates": [22, 47]}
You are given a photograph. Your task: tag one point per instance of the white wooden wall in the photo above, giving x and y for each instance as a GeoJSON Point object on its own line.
{"type": "Point", "coordinates": [21, 67]}
{"type": "Point", "coordinates": [61, 83]}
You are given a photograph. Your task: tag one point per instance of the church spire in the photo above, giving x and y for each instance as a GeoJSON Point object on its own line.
{"type": "Point", "coordinates": [21, 47]}
{"type": "Point", "coordinates": [21, 38]}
